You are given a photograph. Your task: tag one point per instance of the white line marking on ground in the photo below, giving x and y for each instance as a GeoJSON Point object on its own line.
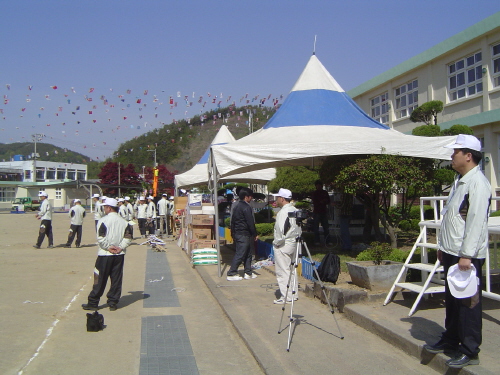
{"type": "Point", "coordinates": [51, 329]}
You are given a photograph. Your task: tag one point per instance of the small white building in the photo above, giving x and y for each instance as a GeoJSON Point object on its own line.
{"type": "Point", "coordinates": [26, 178]}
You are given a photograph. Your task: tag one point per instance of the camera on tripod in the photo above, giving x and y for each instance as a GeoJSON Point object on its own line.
{"type": "Point", "coordinates": [299, 215]}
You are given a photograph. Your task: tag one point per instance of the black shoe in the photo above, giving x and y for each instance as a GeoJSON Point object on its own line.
{"type": "Point", "coordinates": [112, 307]}
{"type": "Point", "coordinates": [441, 347]}
{"type": "Point", "coordinates": [36, 246]}
{"type": "Point", "coordinates": [462, 360]}
{"type": "Point", "coordinates": [86, 306]}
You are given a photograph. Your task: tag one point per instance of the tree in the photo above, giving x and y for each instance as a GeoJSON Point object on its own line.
{"type": "Point", "coordinates": [374, 179]}
{"type": "Point", "coordinates": [457, 129]}
{"type": "Point", "coordinates": [109, 175]}
{"type": "Point", "coordinates": [299, 180]}
{"type": "Point", "coordinates": [427, 112]}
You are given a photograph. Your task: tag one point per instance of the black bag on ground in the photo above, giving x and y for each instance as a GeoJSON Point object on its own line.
{"type": "Point", "coordinates": [329, 269]}
{"type": "Point", "coordinates": [95, 322]}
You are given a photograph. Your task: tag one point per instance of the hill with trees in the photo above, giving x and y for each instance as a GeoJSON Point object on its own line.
{"type": "Point", "coordinates": [47, 152]}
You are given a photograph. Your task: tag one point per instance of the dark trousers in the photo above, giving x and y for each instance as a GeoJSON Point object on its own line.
{"type": "Point", "coordinates": [74, 230]}
{"type": "Point", "coordinates": [150, 226]}
{"type": "Point", "coordinates": [108, 267]}
{"type": "Point", "coordinates": [345, 234]}
{"type": "Point", "coordinates": [323, 219]}
{"type": "Point", "coordinates": [463, 322]}
{"type": "Point", "coordinates": [45, 230]}
{"type": "Point", "coordinates": [142, 226]}
{"type": "Point", "coordinates": [244, 245]}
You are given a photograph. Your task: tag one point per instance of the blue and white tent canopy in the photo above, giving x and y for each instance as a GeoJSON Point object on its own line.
{"type": "Point", "coordinates": [318, 119]}
{"type": "Point", "coordinates": [198, 175]}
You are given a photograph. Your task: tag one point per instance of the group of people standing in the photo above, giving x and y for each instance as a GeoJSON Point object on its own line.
{"type": "Point", "coordinates": [149, 215]}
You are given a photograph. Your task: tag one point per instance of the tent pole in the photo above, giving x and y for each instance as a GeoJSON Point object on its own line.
{"type": "Point", "coordinates": [216, 206]}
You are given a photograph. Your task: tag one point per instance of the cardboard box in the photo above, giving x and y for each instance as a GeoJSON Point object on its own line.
{"type": "Point", "coordinates": [202, 219]}
{"type": "Point", "coordinates": [180, 203]}
{"type": "Point", "coordinates": [201, 233]}
{"type": "Point", "coordinates": [201, 244]}
{"type": "Point", "coordinates": [195, 200]}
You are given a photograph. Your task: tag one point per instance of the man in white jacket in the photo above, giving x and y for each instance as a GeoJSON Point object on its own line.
{"type": "Point", "coordinates": [163, 212]}
{"type": "Point", "coordinates": [45, 215]}
{"type": "Point", "coordinates": [286, 232]}
{"type": "Point", "coordinates": [463, 240]}
{"type": "Point", "coordinates": [151, 216]}
{"type": "Point", "coordinates": [113, 237]}
{"type": "Point", "coordinates": [76, 214]}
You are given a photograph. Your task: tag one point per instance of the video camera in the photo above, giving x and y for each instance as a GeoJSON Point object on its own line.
{"type": "Point", "coordinates": [299, 215]}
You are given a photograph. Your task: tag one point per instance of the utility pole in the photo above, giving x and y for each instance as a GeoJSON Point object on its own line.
{"type": "Point", "coordinates": [119, 189]}
{"type": "Point", "coordinates": [154, 166]}
{"type": "Point", "coordinates": [35, 137]}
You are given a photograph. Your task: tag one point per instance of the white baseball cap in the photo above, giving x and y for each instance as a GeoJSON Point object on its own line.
{"type": "Point", "coordinates": [171, 197]}
{"type": "Point", "coordinates": [76, 200]}
{"type": "Point", "coordinates": [43, 194]}
{"type": "Point", "coordinates": [150, 197]}
{"type": "Point", "coordinates": [121, 200]}
{"type": "Point", "coordinates": [104, 197]}
{"type": "Point", "coordinates": [466, 141]}
{"type": "Point", "coordinates": [142, 199]}
{"type": "Point", "coordinates": [462, 284]}
{"type": "Point", "coordinates": [165, 195]}
{"type": "Point", "coordinates": [127, 198]}
{"type": "Point", "coordinates": [95, 195]}
{"type": "Point", "coordinates": [111, 202]}
{"type": "Point", "coordinates": [284, 193]}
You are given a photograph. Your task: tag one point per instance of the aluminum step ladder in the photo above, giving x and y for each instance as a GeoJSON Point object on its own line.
{"type": "Point", "coordinates": [431, 272]}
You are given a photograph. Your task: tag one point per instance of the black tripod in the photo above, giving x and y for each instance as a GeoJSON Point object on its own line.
{"type": "Point", "coordinates": [292, 283]}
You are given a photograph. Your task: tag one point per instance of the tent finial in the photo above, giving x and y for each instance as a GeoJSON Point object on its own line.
{"type": "Point", "coordinates": [314, 48]}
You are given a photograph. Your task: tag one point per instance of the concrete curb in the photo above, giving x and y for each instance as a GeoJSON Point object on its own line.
{"type": "Point", "coordinates": [401, 339]}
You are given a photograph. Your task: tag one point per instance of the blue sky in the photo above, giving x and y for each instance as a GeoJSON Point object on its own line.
{"type": "Point", "coordinates": [117, 53]}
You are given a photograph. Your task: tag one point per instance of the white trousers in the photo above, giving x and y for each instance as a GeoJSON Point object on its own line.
{"type": "Point", "coordinates": [282, 260]}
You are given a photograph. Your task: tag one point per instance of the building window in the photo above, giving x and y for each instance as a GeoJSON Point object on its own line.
{"type": "Point", "coordinates": [406, 99]}
{"type": "Point", "coordinates": [465, 77]}
{"type": "Point", "coordinates": [496, 65]}
{"type": "Point", "coordinates": [380, 108]}
{"type": "Point", "coordinates": [81, 175]}
{"type": "Point", "coordinates": [58, 193]}
{"type": "Point", "coordinates": [27, 175]}
{"type": "Point", "coordinates": [60, 174]}
{"type": "Point", "coordinates": [71, 175]}
{"type": "Point", "coordinates": [51, 174]}
{"type": "Point", "coordinates": [7, 194]}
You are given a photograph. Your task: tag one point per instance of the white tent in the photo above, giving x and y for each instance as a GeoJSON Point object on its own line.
{"type": "Point", "coordinates": [319, 119]}
{"type": "Point", "coordinates": [198, 175]}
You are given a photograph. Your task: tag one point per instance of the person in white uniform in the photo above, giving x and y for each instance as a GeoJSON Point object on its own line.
{"type": "Point", "coordinates": [286, 232]}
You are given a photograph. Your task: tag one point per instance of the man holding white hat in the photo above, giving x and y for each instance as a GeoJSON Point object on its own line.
{"type": "Point", "coordinates": [113, 237]}
{"type": "Point", "coordinates": [45, 215]}
{"type": "Point", "coordinates": [76, 214]}
{"type": "Point", "coordinates": [286, 232]}
{"type": "Point", "coordinates": [463, 246]}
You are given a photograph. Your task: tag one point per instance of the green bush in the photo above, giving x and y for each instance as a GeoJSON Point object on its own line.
{"type": "Point", "coordinates": [397, 255]}
{"type": "Point", "coordinates": [496, 213]}
{"type": "Point", "coordinates": [227, 222]}
{"type": "Point", "coordinates": [264, 229]}
{"type": "Point", "coordinates": [377, 252]}
{"type": "Point", "coordinates": [409, 225]}
{"type": "Point", "coordinates": [302, 205]}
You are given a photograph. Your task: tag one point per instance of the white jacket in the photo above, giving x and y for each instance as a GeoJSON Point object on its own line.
{"type": "Point", "coordinates": [141, 211]}
{"type": "Point", "coordinates": [77, 213]}
{"type": "Point", "coordinates": [113, 230]}
{"type": "Point", "coordinates": [151, 211]}
{"type": "Point", "coordinates": [45, 210]}
{"type": "Point", "coordinates": [163, 207]}
{"type": "Point", "coordinates": [464, 228]}
{"type": "Point", "coordinates": [289, 238]}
